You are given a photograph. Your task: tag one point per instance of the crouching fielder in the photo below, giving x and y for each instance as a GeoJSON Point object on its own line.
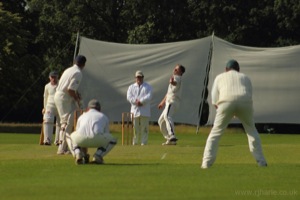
{"type": "Point", "coordinates": [92, 130]}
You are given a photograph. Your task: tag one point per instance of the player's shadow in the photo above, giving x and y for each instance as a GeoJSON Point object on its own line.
{"type": "Point", "coordinates": [226, 145]}
{"type": "Point", "coordinates": [122, 164]}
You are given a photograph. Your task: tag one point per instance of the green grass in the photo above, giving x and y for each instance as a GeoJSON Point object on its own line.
{"type": "Point", "coordinates": [30, 171]}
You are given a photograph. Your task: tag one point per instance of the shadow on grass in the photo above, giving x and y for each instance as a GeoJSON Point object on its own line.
{"type": "Point", "coordinates": [122, 164]}
{"type": "Point", "coordinates": [226, 145]}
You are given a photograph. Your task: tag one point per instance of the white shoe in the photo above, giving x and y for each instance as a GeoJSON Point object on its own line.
{"type": "Point", "coordinates": [47, 142]}
{"type": "Point", "coordinates": [78, 159]}
{"type": "Point", "coordinates": [67, 152]}
{"type": "Point", "coordinates": [60, 150]}
{"type": "Point", "coordinates": [168, 142]}
{"type": "Point", "coordinates": [204, 167]}
{"type": "Point", "coordinates": [56, 143]}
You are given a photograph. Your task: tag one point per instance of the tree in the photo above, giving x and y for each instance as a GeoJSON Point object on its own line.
{"type": "Point", "coordinates": [40, 35]}
{"type": "Point", "coordinates": [157, 21]}
{"type": "Point", "coordinates": [288, 17]}
{"type": "Point", "coordinates": [18, 67]}
{"type": "Point", "coordinates": [244, 22]}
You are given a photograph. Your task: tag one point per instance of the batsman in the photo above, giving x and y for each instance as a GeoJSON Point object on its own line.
{"type": "Point", "coordinates": [66, 96]}
{"type": "Point", "coordinates": [50, 113]}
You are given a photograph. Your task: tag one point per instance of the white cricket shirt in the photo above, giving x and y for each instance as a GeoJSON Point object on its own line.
{"type": "Point", "coordinates": [231, 86]}
{"type": "Point", "coordinates": [49, 93]}
{"type": "Point", "coordinates": [70, 79]}
{"type": "Point", "coordinates": [174, 91]}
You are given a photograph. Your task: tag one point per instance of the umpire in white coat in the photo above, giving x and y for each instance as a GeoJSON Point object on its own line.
{"type": "Point", "coordinates": [139, 95]}
{"type": "Point", "coordinates": [232, 96]}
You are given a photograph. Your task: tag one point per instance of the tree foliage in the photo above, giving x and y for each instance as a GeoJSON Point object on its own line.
{"type": "Point", "coordinates": [37, 36]}
{"type": "Point", "coordinates": [19, 68]}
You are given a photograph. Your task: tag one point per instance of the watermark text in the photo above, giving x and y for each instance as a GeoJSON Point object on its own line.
{"type": "Point", "coordinates": [267, 192]}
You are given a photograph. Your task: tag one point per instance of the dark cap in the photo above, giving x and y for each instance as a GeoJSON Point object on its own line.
{"type": "Point", "coordinates": [53, 73]}
{"type": "Point", "coordinates": [80, 59]}
{"type": "Point", "coordinates": [94, 103]}
{"type": "Point", "coordinates": [233, 64]}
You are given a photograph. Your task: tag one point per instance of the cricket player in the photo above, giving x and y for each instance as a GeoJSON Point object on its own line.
{"type": "Point", "coordinates": [171, 102]}
{"type": "Point", "coordinates": [232, 96]}
{"type": "Point", "coordinates": [92, 130]}
{"type": "Point", "coordinates": [49, 111]}
{"type": "Point", "coordinates": [66, 97]}
{"type": "Point", "coordinates": [139, 95]}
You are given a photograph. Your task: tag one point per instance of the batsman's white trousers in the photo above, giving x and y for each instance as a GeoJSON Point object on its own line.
{"type": "Point", "coordinates": [165, 121]}
{"type": "Point", "coordinates": [225, 112]}
{"type": "Point", "coordinates": [141, 129]}
{"type": "Point", "coordinates": [64, 105]}
{"type": "Point", "coordinates": [96, 141]}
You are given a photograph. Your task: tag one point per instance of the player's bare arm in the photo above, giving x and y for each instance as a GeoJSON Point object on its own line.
{"type": "Point", "coordinates": [162, 103]}
{"type": "Point", "coordinates": [172, 81]}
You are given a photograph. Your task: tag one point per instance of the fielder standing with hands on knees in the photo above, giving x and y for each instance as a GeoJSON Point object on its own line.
{"type": "Point", "coordinates": [66, 96]}
{"type": "Point", "coordinates": [171, 102]}
{"type": "Point", "coordinates": [232, 96]}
